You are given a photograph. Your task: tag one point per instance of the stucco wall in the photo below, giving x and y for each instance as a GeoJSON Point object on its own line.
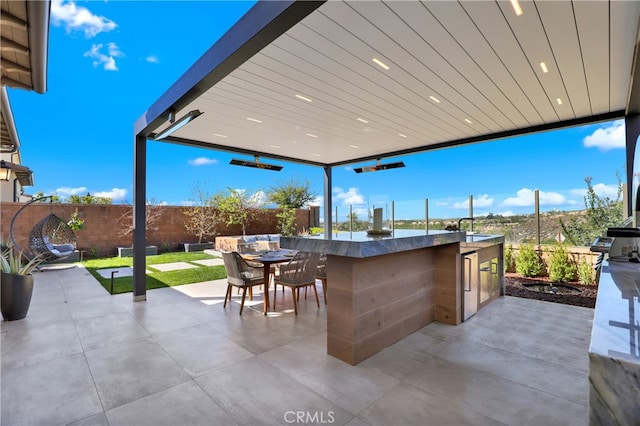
{"type": "Point", "coordinates": [103, 233]}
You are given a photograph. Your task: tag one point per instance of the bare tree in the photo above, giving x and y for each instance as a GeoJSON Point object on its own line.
{"type": "Point", "coordinates": [153, 213]}
{"type": "Point", "coordinates": [203, 218]}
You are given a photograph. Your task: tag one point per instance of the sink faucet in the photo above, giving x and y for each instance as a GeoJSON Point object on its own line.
{"type": "Point", "coordinates": [466, 218]}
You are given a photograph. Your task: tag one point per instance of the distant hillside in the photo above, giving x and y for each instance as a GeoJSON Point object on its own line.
{"type": "Point", "coordinates": [517, 228]}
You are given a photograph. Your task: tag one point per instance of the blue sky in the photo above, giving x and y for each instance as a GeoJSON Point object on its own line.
{"type": "Point", "coordinates": [109, 61]}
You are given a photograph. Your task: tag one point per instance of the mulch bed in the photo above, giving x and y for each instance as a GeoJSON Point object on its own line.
{"type": "Point", "coordinates": [514, 287]}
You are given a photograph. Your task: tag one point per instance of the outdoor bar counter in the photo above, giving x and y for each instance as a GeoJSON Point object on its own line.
{"type": "Point", "coordinates": [381, 289]}
{"type": "Point", "coordinates": [614, 352]}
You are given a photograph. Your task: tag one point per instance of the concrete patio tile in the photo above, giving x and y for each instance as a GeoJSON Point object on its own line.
{"type": "Point", "coordinates": [173, 266]}
{"type": "Point", "coordinates": [406, 405]}
{"type": "Point", "coordinates": [209, 262]}
{"type": "Point", "coordinates": [160, 318]}
{"type": "Point", "coordinates": [132, 370]}
{"type": "Point", "coordinates": [564, 382]}
{"type": "Point", "coordinates": [495, 397]}
{"type": "Point", "coordinates": [97, 420]}
{"type": "Point", "coordinates": [108, 330]}
{"type": "Point", "coordinates": [124, 271]}
{"type": "Point", "coordinates": [353, 388]}
{"type": "Point", "coordinates": [27, 342]}
{"type": "Point", "coordinates": [253, 392]}
{"type": "Point", "coordinates": [401, 360]}
{"type": "Point", "coordinates": [56, 391]}
{"type": "Point", "coordinates": [185, 404]}
{"type": "Point", "coordinates": [94, 307]}
{"type": "Point", "coordinates": [199, 349]}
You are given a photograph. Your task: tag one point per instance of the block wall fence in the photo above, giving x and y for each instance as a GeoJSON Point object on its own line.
{"type": "Point", "coordinates": [102, 232]}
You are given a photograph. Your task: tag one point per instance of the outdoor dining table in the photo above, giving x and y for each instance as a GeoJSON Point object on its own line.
{"type": "Point", "coordinates": [268, 258]}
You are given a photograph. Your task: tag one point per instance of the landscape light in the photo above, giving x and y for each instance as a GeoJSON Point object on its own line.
{"type": "Point", "coordinates": [178, 124]}
{"type": "Point", "coordinates": [379, 166]}
{"type": "Point", "coordinates": [255, 164]}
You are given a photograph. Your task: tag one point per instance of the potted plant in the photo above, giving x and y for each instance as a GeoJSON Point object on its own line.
{"type": "Point", "coordinates": [16, 284]}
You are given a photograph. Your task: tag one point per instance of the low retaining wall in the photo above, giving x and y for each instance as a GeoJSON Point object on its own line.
{"type": "Point", "coordinates": [102, 232]}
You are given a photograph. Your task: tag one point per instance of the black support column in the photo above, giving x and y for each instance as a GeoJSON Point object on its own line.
{"type": "Point", "coordinates": [139, 218]}
{"type": "Point", "coordinates": [328, 221]}
{"type": "Point", "coordinates": [632, 131]}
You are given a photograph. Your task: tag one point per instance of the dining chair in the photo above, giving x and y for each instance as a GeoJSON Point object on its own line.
{"type": "Point", "coordinates": [240, 274]}
{"type": "Point", "coordinates": [321, 274]}
{"type": "Point", "coordinates": [298, 273]}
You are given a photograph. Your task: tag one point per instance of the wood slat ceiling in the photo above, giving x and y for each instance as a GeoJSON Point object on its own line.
{"type": "Point", "coordinates": [457, 70]}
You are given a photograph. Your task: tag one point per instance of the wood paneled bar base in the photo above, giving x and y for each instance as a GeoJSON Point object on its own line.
{"type": "Point", "coordinates": [381, 290]}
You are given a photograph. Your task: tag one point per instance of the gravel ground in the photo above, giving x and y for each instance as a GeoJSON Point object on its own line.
{"type": "Point", "coordinates": [514, 287]}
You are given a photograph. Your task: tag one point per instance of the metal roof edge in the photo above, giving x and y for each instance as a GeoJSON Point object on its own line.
{"type": "Point", "coordinates": [490, 137]}
{"type": "Point", "coordinates": [263, 23]}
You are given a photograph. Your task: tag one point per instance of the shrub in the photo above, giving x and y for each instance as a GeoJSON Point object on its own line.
{"type": "Point", "coordinates": [561, 266]}
{"type": "Point", "coordinates": [528, 262]}
{"type": "Point", "coordinates": [509, 261]}
{"type": "Point", "coordinates": [586, 274]}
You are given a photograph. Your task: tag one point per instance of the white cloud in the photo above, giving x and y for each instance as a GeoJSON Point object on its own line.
{"type": "Point", "coordinates": [78, 18]}
{"type": "Point", "coordinates": [202, 161]}
{"type": "Point", "coordinates": [482, 201]}
{"type": "Point", "coordinates": [116, 194]}
{"type": "Point", "coordinates": [108, 60]}
{"type": "Point", "coordinates": [606, 138]}
{"type": "Point", "coordinates": [152, 59]}
{"type": "Point", "coordinates": [601, 189]}
{"type": "Point", "coordinates": [506, 213]}
{"type": "Point", "coordinates": [318, 201]}
{"type": "Point", "coordinates": [352, 196]}
{"type": "Point", "coordinates": [442, 203]}
{"type": "Point", "coordinates": [65, 191]}
{"type": "Point", "coordinates": [526, 197]}
{"type": "Point", "coordinates": [259, 198]}
{"type": "Point", "coordinates": [188, 203]}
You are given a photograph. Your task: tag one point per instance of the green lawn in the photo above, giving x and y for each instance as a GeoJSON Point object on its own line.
{"type": "Point", "coordinates": [156, 279]}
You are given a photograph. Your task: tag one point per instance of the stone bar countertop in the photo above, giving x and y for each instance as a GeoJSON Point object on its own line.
{"type": "Point", "coordinates": [359, 245]}
{"type": "Point", "coordinates": [614, 352]}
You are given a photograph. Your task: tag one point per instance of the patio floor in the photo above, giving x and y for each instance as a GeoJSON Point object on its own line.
{"type": "Point", "coordinates": [84, 357]}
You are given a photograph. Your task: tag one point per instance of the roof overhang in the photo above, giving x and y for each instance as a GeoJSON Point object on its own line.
{"type": "Point", "coordinates": [24, 175]}
{"type": "Point", "coordinates": [297, 80]}
{"type": "Point", "coordinates": [24, 53]}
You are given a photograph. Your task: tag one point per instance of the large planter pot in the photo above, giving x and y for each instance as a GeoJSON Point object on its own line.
{"type": "Point", "coordinates": [189, 247]}
{"type": "Point", "coordinates": [15, 294]}
{"type": "Point", "coordinates": [128, 251]}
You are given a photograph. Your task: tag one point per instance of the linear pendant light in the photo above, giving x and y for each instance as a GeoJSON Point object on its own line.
{"type": "Point", "coordinates": [379, 166]}
{"type": "Point", "coordinates": [178, 124]}
{"type": "Point", "coordinates": [255, 164]}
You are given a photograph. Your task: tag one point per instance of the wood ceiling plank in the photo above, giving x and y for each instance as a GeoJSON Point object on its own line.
{"type": "Point", "coordinates": [559, 24]}
{"type": "Point", "coordinates": [593, 31]}
{"type": "Point", "coordinates": [488, 18]}
{"type": "Point", "coordinates": [423, 64]}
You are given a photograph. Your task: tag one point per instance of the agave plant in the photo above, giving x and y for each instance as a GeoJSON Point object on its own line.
{"type": "Point", "coordinates": [12, 261]}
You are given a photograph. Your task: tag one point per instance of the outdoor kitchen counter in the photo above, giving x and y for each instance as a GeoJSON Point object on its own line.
{"type": "Point", "coordinates": [614, 352]}
{"type": "Point", "coordinates": [381, 289]}
{"type": "Point", "coordinates": [360, 245]}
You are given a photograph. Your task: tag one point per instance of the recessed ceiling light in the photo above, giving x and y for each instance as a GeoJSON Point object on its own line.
{"type": "Point", "coordinates": [219, 135]}
{"type": "Point", "coordinates": [362, 120]}
{"type": "Point", "coordinates": [402, 135]}
{"type": "Point", "coordinates": [382, 64]}
{"type": "Point", "coordinates": [516, 7]}
{"type": "Point", "coordinates": [544, 67]}
{"type": "Point", "coordinates": [311, 135]}
{"type": "Point", "coordinates": [255, 120]}
{"type": "Point", "coordinates": [304, 98]}
{"type": "Point", "coordinates": [434, 99]}
{"type": "Point", "coordinates": [274, 146]}
{"type": "Point", "coordinates": [354, 146]}
{"type": "Point", "coordinates": [467, 120]}
{"type": "Point", "coordinates": [316, 155]}
{"type": "Point", "coordinates": [559, 101]}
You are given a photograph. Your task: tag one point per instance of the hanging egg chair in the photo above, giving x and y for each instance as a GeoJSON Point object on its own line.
{"type": "Point", "coordinates": [51, 238]}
